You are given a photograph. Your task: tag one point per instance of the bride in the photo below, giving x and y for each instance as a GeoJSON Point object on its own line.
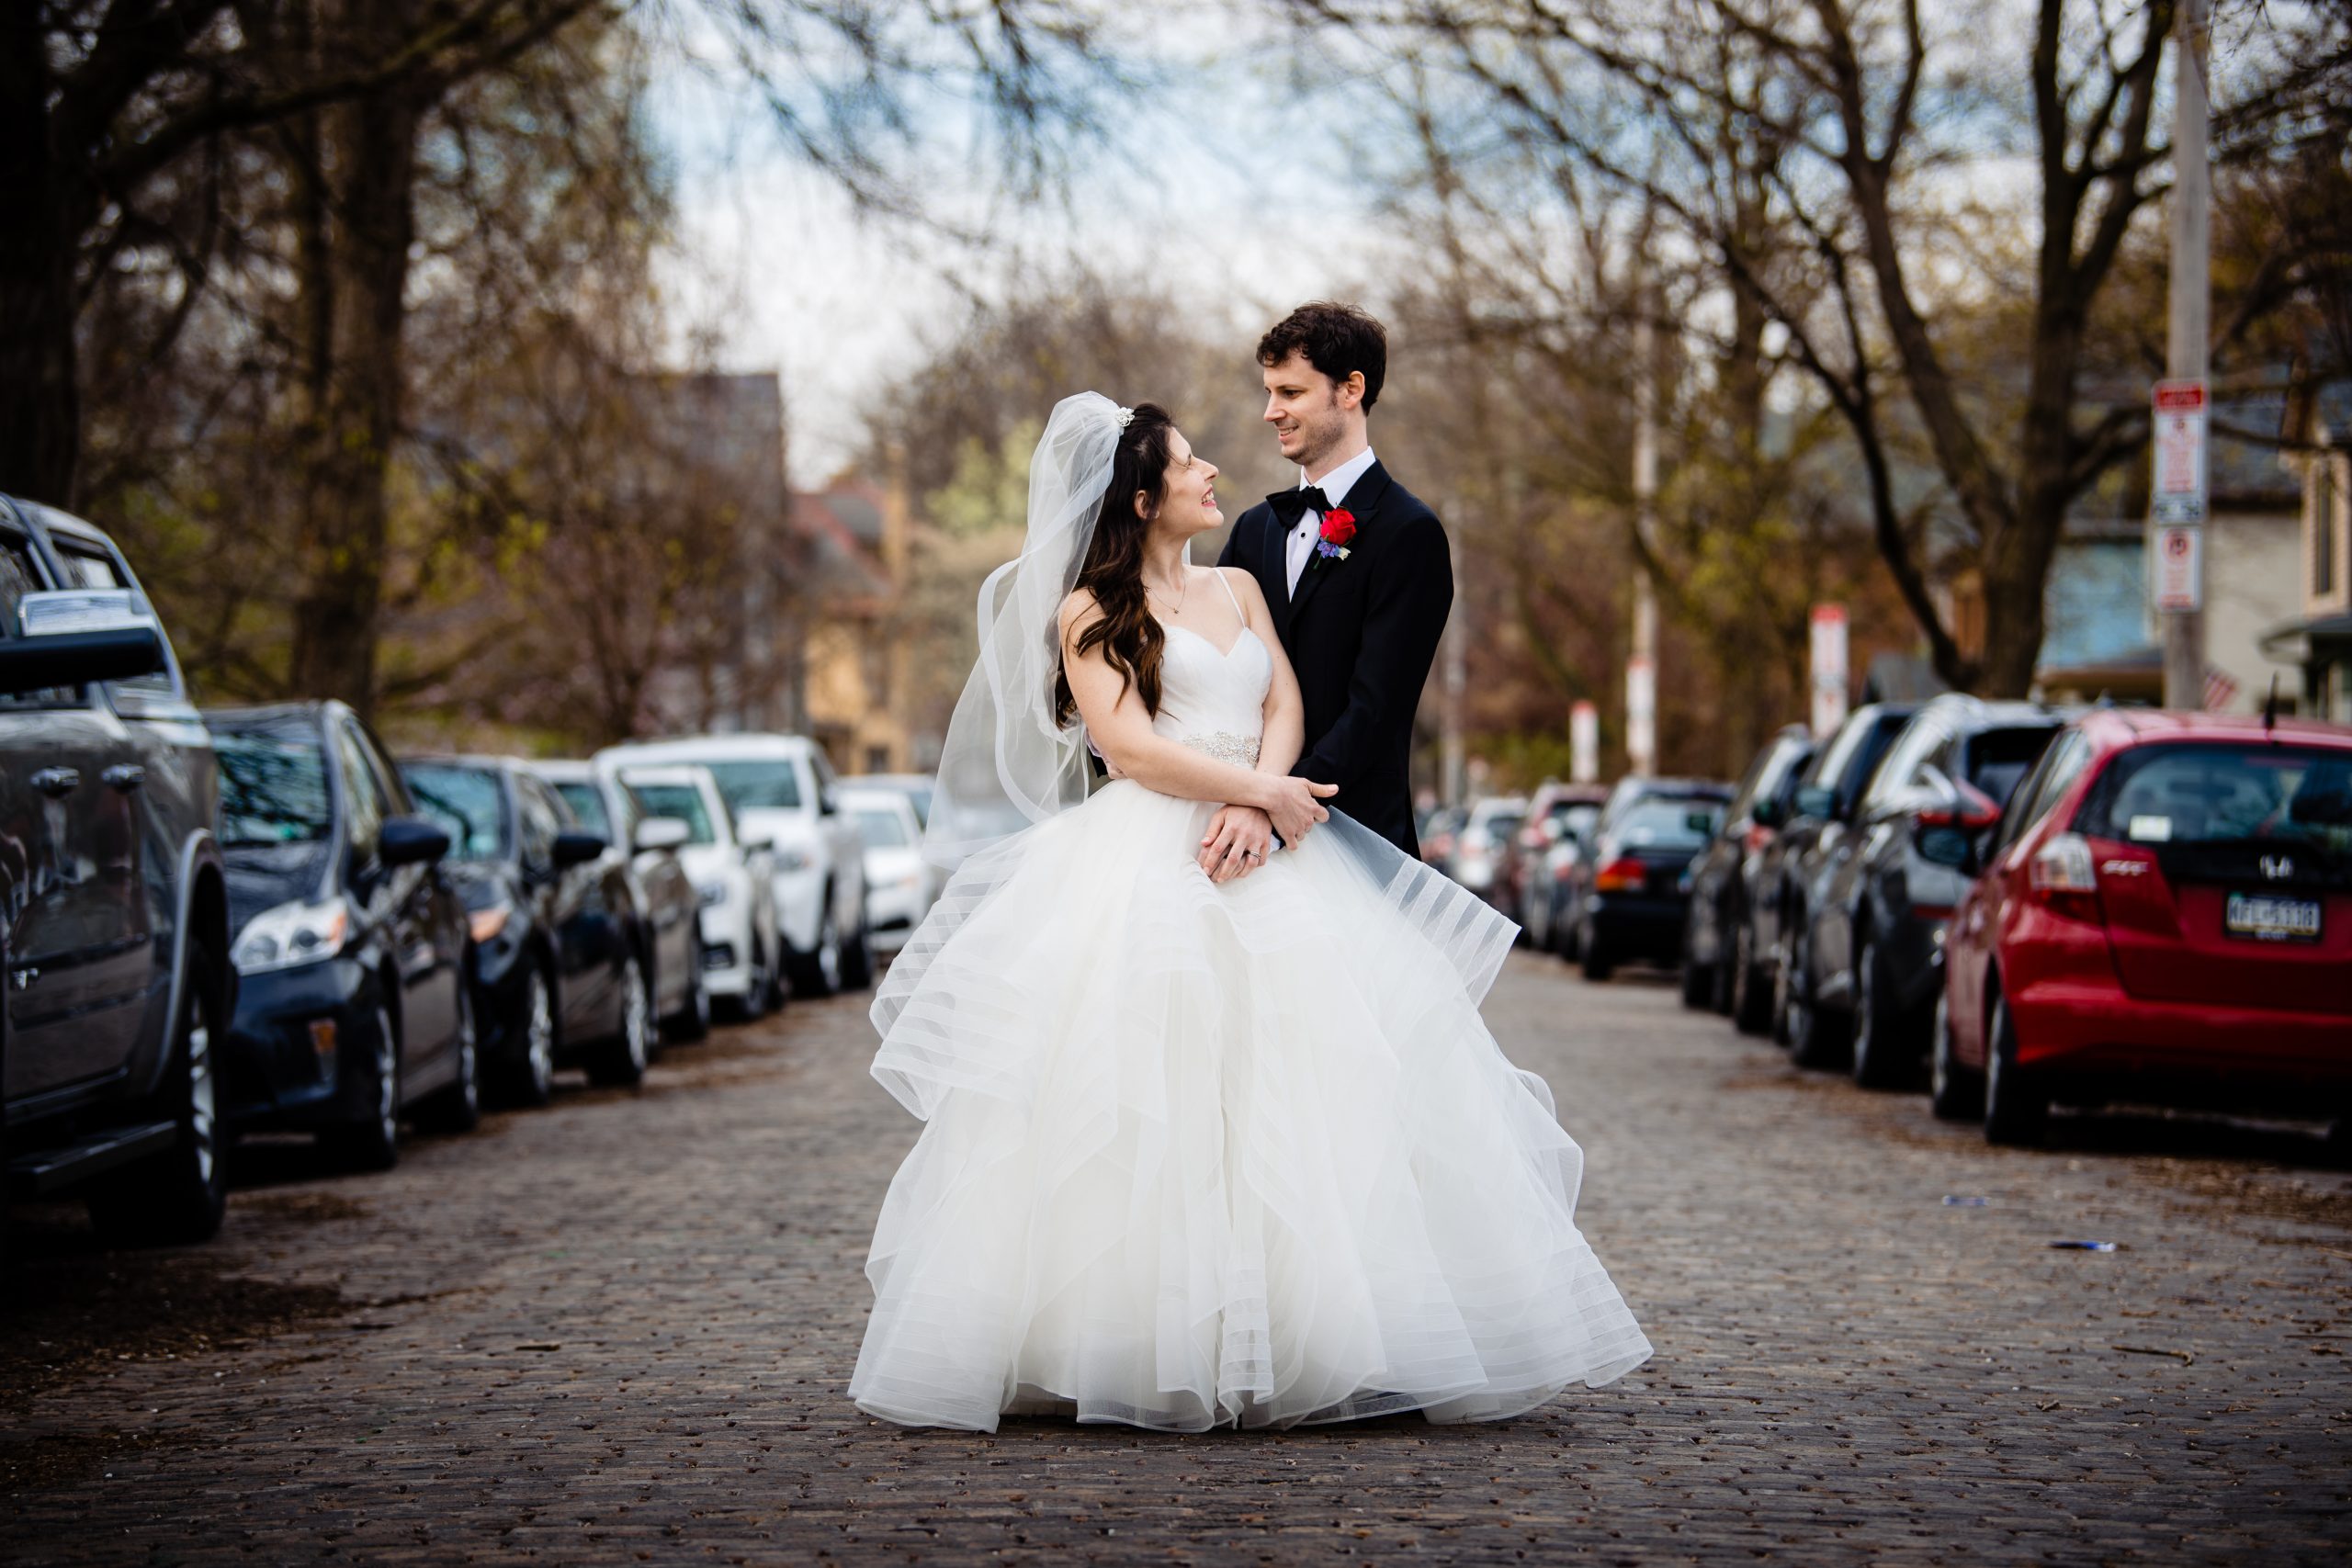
{"type": "Point", "coordinates": [1203, 1144]}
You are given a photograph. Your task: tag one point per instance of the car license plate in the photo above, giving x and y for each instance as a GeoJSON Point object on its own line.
{"type": "Point", "coordinates": [2261, 917]}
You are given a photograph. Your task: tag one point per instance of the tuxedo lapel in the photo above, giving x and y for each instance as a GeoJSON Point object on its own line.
{"type": "Point", "coordinates": [1362, 502]}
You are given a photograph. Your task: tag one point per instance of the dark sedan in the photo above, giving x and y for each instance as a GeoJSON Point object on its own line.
{"type": "Point", "coordinates": [1634, 884]}
{"type": "Point", "coordinates": [1792, 865]}
{"type": "Point", "coordinates": [1878, 927]}
{"type": "Point", "coordinates": [352, 1004]}
{"type": "Point", "coordinates": [561, 967]}
{"type": "Point", "coordinates": [1721, 968]}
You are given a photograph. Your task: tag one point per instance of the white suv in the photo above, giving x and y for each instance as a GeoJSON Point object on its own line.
{"type": "Point", "coordinates": [782, 786]}
{"type": "Point", "coordinates": [731, 865]}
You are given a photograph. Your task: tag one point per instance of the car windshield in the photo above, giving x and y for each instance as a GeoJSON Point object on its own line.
{"type": "Point", "coordinates": [758, 786]}
{"type": "Point", "coordinates": [681, 801]}
{"type": "Point", "coordinates": [2225, 794]}
{"type": "Point", "coordinates": [587, 803]}
{"type": "Point", "coordinates": [882, 827]}
{"type": "Point", "coordinates": [1665, 822]}
{"type": "Point", "coordinates": [463, 802]}
{"type": "Point", "coordinates": [273, 790]}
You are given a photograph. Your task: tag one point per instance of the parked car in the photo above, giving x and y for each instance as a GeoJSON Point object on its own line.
{"type": "Point", "coordinates": [782, 787]}
{"type": "Point", "coordinates": [1438, 832]}
{"type": "Point", "coordinates": [1556, 835]}
{"type": "Point", "coordinates": [2166, 916]}
{"type": "Point", "coordinates": [733, 870]}
{"type": "Point", "coordinates": [558, 963]}
{"type": "Point", "coordinates": [1791, 866]}
{"type": "Point", "coordinates": [351, 1002]}
{"type": "Point", "coordinates": [1481, 847]}
{"type": "Point", "coordinates": [1721, 968]}
{"type": "Point", "coordinates": [114, 914]}
{"type": "Point", "coordinates": [1878, 925]}
{"type": "Point", "coordinates": [916, 787]}
{"type": "Point", "coordinates": [899, 887]}
{"type": "Point", "coordinates": [1628, 898]}
{"type": "Point", "coordinates": [662, 894]}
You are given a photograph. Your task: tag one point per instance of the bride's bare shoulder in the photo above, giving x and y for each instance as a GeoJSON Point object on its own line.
{"type": "Point", "coordinates": [1078, 609]}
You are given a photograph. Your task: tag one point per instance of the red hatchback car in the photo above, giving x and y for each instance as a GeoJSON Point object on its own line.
{"type": "Point", "coordinates": [2164, 916]}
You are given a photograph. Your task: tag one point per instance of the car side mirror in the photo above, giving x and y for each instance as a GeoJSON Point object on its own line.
{"type": "Point", "coordinates": [577, 847]}
{"type": "Point", "coordinates": [663, 833]}
{"type": "Point", "coordinates": [409, 841]}
{"type": "Point", "coordinates": [1767, 813]}
{"type": "Point", "coordinates": [71, 637]}
{"type": "Point", "coordinates": [1952, 823]}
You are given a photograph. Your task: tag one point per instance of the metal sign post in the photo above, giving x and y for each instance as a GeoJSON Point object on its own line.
{"type": "Point", "coordinates": [1584, 743]}
{"type": "Point", "coordinates": [1828, 669]}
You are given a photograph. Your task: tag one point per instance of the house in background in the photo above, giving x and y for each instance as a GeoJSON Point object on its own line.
{"type": "Point", "coordinates": [2102, 637]}
{"type": "Point", "coordinates": [2318, 639]}
{"type": "Point", "coordinates": [851, 686]}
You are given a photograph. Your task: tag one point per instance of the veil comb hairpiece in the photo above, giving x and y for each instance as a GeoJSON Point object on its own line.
{"type": "Point", "coordinates": [1126, 416]}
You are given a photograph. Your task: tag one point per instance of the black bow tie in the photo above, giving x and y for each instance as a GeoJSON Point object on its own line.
{"type": "Point", "coordinates": [1290, 505]}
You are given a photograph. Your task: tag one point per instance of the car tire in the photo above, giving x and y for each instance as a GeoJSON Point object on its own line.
{"type": "Point", "coordinates": [1698, 987]}
{"type": "Point", "coordinates": [759, 986]}
{"type": "Point", "coordinates": [692, 1021]}
{"type": "Point", "coordinates": [620, 1062]}
{"type": "Point", "coordinates": [373, 1142]}
{"type": "Point", "coordinates": [1954, 1093]}
{"type": "Point", "coordinates": [1593, 958]}
{"type": "Point", "coordinates": [857, 956]}
{"type": "Point", "coordinates": [529, 1079]}
{"type": "Point", "coordinates": [1719, 998]}
{"type": "Point", "coordinates": [1751, 998]}
{"type": "Point", "coordinates": [2016, 1108]}
{"type": "Point", "coordinates": [179, 1196]}
{"type": "Point", "coordinates": [1883, 1054]}
{"type": "Point", "coordinates": [817, 972]}
{"type": "Point", "coordinates": [1817, 1038]}
{"type": "Point", "coordinates": [458, 1109]}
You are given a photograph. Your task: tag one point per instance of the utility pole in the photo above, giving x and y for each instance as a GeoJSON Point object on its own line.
{"type": "Point", "coordinates": [1641, 666]}
{"type": "Point", "coordinates": [2181, 600]}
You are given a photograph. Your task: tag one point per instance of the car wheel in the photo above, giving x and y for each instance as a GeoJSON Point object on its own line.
{"type": "Point", "coordinates": [1813, 1034]}
{"type": "Point", "coordinates": [1954, 1093]}
{"type": "Point", "coordinates": [692, 1021]}
{"type": "Point", "coordinates": [1751, 998]}
{"type": "Point", "coordinates": [1881, 1059]}
{"type": "Point", "coordinates": [1698, 979]}
{"type": "Point", "coordinates": [817, 972]}
{"type": "Point", "coordinates": [1593, 958]}
{"type": "Point", "coordinates": [621, 1060]}
{"type": "Point", "coordinates": [179, 1196]}
{"type": "Point", "coordinates": [857, 956]}
{"type": "Point", "coordinates": [759, 986]}
{"type": "Point", "coordinates": [373, 1142]}
{"type": "Point", "coordinates": [458, 1109]}
{"type": "Point", "coordinates": [529, 1079]}
{"type": "Point", "coordinates": [1719, 997]}
{"type": "Point", "coordinates": [2015, 1109]}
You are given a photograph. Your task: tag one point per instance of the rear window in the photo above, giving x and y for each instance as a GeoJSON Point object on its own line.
{"type": "Point", "coordinates": [273, 790]}
{"type": "Point", "coordinates": [681, 801]}
{"type": "Point", "coordinates": [587, 803]}
{"type": "Point", "coordinates": [881, 827]}
{"type": "Point", "coordinates": [465, 803]}
{"type": "Point", "coordinates": [1666, 822]}
{"type": "Point", "coordinates": [2225, 794]}
{"type": "Point", "coordinates": [757, 786]}
{"type": "Point", "coordinates": [1999, 760]}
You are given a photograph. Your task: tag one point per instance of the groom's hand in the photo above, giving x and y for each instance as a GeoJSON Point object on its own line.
{"type": "Point", "coordinates": [1237, 841]}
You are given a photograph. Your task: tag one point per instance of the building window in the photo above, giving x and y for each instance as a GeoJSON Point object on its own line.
{"type": "Point", "coordinates": [878, 759]}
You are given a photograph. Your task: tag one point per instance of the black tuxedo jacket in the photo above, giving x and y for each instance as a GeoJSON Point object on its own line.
{"type": "Point", "coordinates": [1361, 633]}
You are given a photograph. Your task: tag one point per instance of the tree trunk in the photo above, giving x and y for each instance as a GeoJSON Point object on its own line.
{"type": "Point", "coordinates": [354, 289]}
{"type": "Point", "coordinates": [41, 422]}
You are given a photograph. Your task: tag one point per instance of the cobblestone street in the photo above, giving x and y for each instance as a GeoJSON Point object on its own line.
{"type": "Point", "coordinates": [619, 1330]}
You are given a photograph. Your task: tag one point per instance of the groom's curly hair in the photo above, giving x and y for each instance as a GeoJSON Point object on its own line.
{"type": "Point", "coordinates": [1336, 339]}
{"type": "Point", "coordinates": [1127, 630]}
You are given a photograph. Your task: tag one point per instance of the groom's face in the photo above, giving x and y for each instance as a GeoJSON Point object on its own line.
{"type": "Point", "coordinates": [1306, 408]}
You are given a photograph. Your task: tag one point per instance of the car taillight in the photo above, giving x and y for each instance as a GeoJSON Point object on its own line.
{"type": "Point", "coordinates": [1971, 808]}
{"type": "Point", "coordinates": [1757, 837]}
{"type": "Point", "coordinates": [2062, 878]}
{"type": "Point", "coordinates": [1624, 874]}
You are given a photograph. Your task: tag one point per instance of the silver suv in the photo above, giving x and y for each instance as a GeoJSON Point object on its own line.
{"type": "Point", "coordinates": [113, 915]}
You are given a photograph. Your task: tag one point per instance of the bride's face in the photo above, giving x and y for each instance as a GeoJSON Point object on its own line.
{"type": "Point", "coordinates": [1188, 491]}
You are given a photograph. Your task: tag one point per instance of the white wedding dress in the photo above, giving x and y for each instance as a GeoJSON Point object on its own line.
{"type": "Point", "coordinates": [1196, 1155]}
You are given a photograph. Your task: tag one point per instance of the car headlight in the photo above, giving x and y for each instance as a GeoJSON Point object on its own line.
{"type": "Point", "coordinates": [792, 858]}
{"type": "Point", "coordinates": [292, 933]}
{"type": "Point", "coordinates": [712, 894]}
{"type": "Point", "coordinates": [912, 881]}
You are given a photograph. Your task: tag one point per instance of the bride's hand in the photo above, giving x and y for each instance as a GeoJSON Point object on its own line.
{"type": "Point", "coordinates": [1294, 804]}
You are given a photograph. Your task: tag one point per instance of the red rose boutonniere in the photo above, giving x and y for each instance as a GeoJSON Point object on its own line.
{"type": "Point", "coordinates": [1339, 528]}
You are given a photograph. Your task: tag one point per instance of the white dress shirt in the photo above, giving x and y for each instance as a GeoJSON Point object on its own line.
{"type": "Point", "coordinates": [1300, 545]}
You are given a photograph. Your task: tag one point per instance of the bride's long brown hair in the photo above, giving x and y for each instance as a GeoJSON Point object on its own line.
{"type": "Point", "coordinates": [1126, 631]}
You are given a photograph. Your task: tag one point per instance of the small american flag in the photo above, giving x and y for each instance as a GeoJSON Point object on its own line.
{"type": "Point", "coordinates": [2220, 690]}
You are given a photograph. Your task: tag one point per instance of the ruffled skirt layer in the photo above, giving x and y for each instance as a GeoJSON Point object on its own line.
{"type": "Point", "coordinates": [1199, 1155]}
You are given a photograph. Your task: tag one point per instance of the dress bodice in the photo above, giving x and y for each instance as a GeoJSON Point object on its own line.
{"type": "Point", "coordinates": [1214, 702]}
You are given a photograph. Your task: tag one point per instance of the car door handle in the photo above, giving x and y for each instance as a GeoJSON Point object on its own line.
{"type": "Point", "coordinates": [125, 776]}
{"type": "Point", "coordinates": [57, 780]}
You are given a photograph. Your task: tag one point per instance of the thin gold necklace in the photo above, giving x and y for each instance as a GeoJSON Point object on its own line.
{"type": "Point", "coordinates": [1177, 608]}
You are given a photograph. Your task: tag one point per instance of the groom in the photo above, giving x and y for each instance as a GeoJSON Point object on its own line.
{"type": "Point", "coordinates": [1356, 572]}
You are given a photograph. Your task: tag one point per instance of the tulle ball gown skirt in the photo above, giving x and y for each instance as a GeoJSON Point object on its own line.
{"type": "Point", "coordinates": [1197, 1156]}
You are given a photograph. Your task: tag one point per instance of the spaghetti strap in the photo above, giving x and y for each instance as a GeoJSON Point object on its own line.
{"type": "Point", "coordinates": [1230, 596]}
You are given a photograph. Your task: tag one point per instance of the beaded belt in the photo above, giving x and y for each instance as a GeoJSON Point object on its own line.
{"type": "Point", "coordinates": [1226, 747]}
